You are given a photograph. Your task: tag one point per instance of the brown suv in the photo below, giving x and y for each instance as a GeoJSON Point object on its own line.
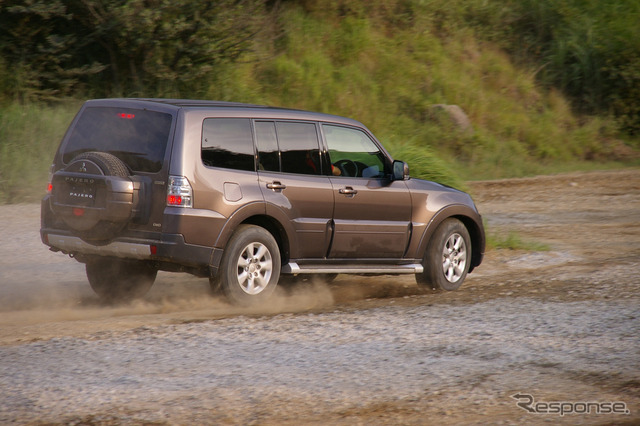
{"type": "Point", "coordinates": [243, 194]}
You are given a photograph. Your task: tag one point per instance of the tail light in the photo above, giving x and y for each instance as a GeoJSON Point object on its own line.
{"type": "Point", "coordinates": [179, 193]}
{"type": "Point", "coordinates": [49, 184]}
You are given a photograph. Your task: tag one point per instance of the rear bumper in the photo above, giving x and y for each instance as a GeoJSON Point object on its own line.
{"type": "Point", "coordinates": [74, 245]}
{"type": "Point", "coordinates": [171, 250]}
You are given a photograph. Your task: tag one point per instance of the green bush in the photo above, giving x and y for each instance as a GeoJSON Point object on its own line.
{"type": "Point", "coordinates": [588, 49]}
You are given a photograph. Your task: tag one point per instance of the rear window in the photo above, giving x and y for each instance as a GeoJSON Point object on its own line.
{"type": "Point", "coordinates": [137, 137]}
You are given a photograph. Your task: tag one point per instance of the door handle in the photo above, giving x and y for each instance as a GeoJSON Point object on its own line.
{"type": "Point", "coordinates": [276, 186]}
{"type": "Point", "coordinates": [348, 191]}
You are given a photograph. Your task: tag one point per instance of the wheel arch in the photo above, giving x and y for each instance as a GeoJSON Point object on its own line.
{"type": "Point", "coordinates": [477, 239]}
{"type": "Point", "coordinates": [470, 219]}
{"type": "Point", "coordinates": [275, 228]}
{"type": "Point", "coordinates": [259, 215]}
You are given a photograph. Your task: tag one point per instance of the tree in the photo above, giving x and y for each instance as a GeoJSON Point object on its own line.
{"type": "Point", "coordinates": [38, 51]}
{"type": "Point", "coordinates": [124, 47]}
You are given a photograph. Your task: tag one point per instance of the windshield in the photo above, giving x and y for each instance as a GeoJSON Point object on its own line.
{"type": "Point", "coordinates": [137, 137]}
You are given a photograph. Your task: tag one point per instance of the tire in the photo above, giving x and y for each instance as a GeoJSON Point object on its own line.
{"type": "Point", "coordinates": [250, 266]}
{"type": "Point", "coordinates": [115, 280]}
{"type": "Point", "coordinates": [108, 163]}
{"type": "Point", "coordinates": [96, 166]}
{"type": "Point", "coordinates": [447, 257]}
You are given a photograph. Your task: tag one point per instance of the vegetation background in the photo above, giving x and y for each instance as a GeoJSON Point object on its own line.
{"type": "Point", "coordinates": [548, 85]}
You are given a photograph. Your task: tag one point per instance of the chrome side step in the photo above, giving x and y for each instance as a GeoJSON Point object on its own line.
{"type": "Point", "coordinates": [294, 268]}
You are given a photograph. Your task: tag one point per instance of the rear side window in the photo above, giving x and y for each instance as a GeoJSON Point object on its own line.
{"type": "Point", "coordinates": [288, 147]}
{"type": "Point", "coordinates": [137, 137]}
{"type": "Point", "coordinates": [299, 148]}
{"type": "Point", "coordinates": [228, 143]}
{"type": "Point", "coordinates": [268, 153]}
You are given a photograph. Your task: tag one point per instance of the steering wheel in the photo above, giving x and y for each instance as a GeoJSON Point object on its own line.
{"type": "Point", "coordinates": [347, 167]}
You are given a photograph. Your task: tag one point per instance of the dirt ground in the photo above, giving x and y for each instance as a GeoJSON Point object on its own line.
{"type": "Point", "coordinates": [581, 293]}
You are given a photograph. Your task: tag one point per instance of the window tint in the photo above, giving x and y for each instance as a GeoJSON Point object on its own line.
{"type": "Point", "coordinates": [299, 149]}
{"type": "Point", "coordinates": [228, 143]}
{"type": "Point", "coordinates": [137, 137]}
{"type": "Point", "coordinates": [268, 155]}
{"type": "Point", "coordinates": [353, 152]}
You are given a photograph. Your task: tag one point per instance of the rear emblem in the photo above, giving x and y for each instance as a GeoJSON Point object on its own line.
{"type": "Point", "coordinates": [83, 168]}
{"type": "Point", "coordinates": [80, 195]}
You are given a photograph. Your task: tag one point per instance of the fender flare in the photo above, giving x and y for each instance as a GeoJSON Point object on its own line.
{"type": "Point", "coordinates": [471, 220]}
{"type": "Point", "coordinates": [264, 211]}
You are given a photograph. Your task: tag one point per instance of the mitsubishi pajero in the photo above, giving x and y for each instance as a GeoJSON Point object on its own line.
{"type": "Point", "coordinates": [242, 195]}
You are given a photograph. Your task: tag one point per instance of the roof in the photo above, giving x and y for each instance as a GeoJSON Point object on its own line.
{"type": "Point", "coordinates": [199, 103]}
{"type": "Point", "coordinates": [259, 111]}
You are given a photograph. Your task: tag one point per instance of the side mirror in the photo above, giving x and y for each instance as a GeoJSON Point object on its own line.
{"type": "Point", "coordinates": [400, 170]}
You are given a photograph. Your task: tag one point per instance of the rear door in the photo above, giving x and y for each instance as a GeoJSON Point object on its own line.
{"type": "Point", "coordinates": [291, 178]}
{"type": "Point", "coordinates": [138, 134]}
{"type": "Point", "coordinates": [372, 214]}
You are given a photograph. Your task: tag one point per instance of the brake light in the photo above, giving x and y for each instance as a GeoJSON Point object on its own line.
{"type": "Point", "coordinates": [174, 200]}
{"type": "Point", "coordinates": [126, 115]}
{"type": "Point", "coordinates": [179, 193]}
{"type": "Point", "coordinates": [50, 184]}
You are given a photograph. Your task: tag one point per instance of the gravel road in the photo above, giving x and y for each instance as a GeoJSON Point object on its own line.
{"type": "Point", "coordinates": [559, 326]}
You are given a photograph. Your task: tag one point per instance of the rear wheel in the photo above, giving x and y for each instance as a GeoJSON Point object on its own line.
{"type": "Point", "coordinates": [120, 280]}
{"type": "Point", "coordinates": [446, 260]}
{"type": "Point", "coordinates": [250, 266]}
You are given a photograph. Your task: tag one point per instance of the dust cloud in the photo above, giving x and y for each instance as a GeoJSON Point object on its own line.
{"type": "Point", "coordinates": [173, 293]}
{"type": "Point", "coordinates": [45, 294]}
{"type": "Point", "coordinates": [41, 290]}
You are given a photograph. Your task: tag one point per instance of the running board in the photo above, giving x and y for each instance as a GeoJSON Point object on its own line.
{"type": "Point", "coordinates": [294, 268]}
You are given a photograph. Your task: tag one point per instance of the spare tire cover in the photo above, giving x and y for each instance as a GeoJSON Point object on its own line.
{"type": "Point", "coordinates": [81, 190]}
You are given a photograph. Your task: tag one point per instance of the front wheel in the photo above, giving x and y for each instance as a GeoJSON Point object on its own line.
{"type": "Point", "coordinates": [116, 280]}
{"type": "Point", "coordinates": [446, 260]}
{"type": "Point", "coordinates": [250, 266]}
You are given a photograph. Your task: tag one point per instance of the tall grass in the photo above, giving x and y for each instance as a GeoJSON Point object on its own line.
{"type": "Point", "coordinates": [29, 136]}
{"type": "Point", "coordinates": [513, 241]}
{"type": "Point", "coordinates": [386, 63]}
{"type": "Point", "coordinates": [354, 60]}
{"type": "Point", "coordinates": [589, 49]}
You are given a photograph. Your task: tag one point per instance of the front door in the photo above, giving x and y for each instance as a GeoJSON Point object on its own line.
{"type": "Point", "coordinates": [372, 214]}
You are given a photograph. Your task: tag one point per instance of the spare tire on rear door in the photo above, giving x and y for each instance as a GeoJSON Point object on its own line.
{"type": "Point", "coordinates": [94, 196]}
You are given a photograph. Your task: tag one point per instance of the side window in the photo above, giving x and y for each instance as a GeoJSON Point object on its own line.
{"type": "Point", "coordinates": [228, 143]}
{"type": "Point", "coordinates": [299, 148]}
{"type": "Point", "coordinates": [353, 153]}
{"type": "Point", "coordinates": [268, 154]}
